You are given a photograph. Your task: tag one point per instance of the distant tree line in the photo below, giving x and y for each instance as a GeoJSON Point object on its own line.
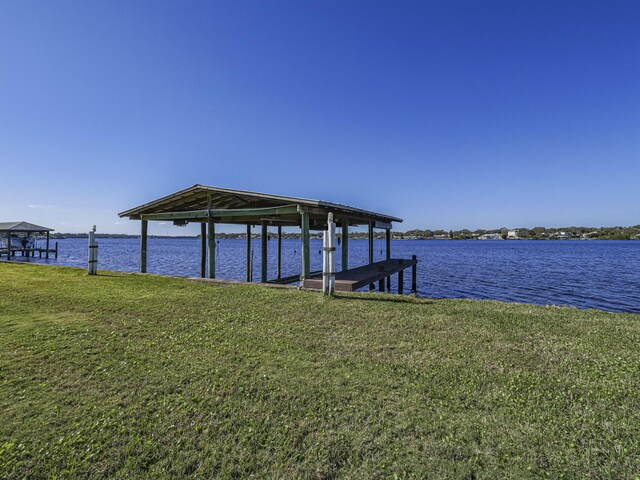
{"type": "Point", "coordinates": [536, 233]}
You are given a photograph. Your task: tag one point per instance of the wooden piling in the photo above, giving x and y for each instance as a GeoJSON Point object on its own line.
{"type": "Point", "coordinates": [388, 245]}
{"type": "Point", "coordinates": [279, 274]}
{"type": "Point", "coordinates": [387, 237]}
{"type": "Point", "coordinates": [414, 282]}
{"type": "Point", "coordinates": [263, 241]}
{"type": "Point", "coordinates": [211, 247]}
{"type": "Point", "coordinates": [203, 250]}
{"type": "Point", "coordinates": [401, 282]}
{"type": "Point", "coordinates": [345, 244]}
{"type": "Point", "coordinates": [306, 253]}
{"type": "Point", "coordinates": [143, 246]}
{"type": "Point", "coordinates": [93, 253]}
{"type": "Point", "coordinates": [371, 286]}
{"type": "Point", "coordinates": [248, 253]}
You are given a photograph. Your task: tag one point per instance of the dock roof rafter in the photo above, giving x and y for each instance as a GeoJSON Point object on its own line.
{"type": "Point", "coordinates": [203, 203]}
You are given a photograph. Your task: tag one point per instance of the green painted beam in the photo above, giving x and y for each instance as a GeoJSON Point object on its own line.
{"type": "Point", "coordinates": [385, 225]}
{"type": "Point", "coordinates": [193, 214]}
{"type": "Point", "coordinates": [223, 213]}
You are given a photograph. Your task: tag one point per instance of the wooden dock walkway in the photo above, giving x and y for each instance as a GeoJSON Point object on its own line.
{"type": "Point", "coordinates": [30, 251]}
{"type": "Point", "coordinates": [355, 278]}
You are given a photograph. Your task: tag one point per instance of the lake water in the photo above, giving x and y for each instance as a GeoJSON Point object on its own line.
{"type": "Point", "coordinates": [586, 274]}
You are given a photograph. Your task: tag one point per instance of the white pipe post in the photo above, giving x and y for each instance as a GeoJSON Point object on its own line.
{"type": "Point", "coordinates": [332, 251]}
{"type": "Point", "coordinates": [325, 267]}
{"type": "Point", "coordinates": [329, 247]}
{"type": "Point", "coordinates": [93, 252]}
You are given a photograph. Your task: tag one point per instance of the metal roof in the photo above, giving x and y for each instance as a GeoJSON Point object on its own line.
{"type": "Point", "coordinates": [22, 227]}
{"type": "Point", "coordinates": [199, 197]}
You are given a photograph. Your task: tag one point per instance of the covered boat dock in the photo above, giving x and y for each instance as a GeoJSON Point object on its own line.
{"type": "Point", "coordinates": [210, 206]}
{"type": "Point", "coordinates": [18, 237]}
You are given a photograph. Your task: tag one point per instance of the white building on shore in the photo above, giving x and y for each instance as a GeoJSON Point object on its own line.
{"type": "Point", "coordinates": [490, 236]}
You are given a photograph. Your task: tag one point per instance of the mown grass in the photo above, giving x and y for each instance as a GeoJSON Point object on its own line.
{"type": "Point", "coordinates": [139, 376]}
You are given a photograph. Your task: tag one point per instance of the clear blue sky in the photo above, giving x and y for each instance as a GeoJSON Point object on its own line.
{"type": "Point", "coordinates": [449, 114]}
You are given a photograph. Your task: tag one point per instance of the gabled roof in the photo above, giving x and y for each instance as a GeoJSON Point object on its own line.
{"type": "Point", "coordinates": [200, 197]}
{"type": "Point", "coordinates": [22, 227]}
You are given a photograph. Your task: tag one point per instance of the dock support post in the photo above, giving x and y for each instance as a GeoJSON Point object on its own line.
{"type": "Point", "coordinates": [371, 286]}
{"type": "Point", "coordinates": [8, 245]}
{"type": "Point", "coordinates": [306, 254]}
{"type": "Point", "coordinates": [279, 252]}
{"type": "Point", "coordinates": [143, 247]}
{"type": "Point", "coordinates": [263, 239]}
{"type": "Point", "coordinates": [56, 250]}
{"type": "Point", "coordinates": [345, 244]}
{"type": "Point", "coordinates": [414, 290]}
{"type": "Point", "coordinates": [381, 283]}
{"type": "Point", "coordinates": [211, 247]}
{"type": "Point", "coordinates": [401, 282]}
{"type": "Point", "coordinates": [248, 253]}
{"type": "Point", "coordinates": [387, 237]}
{"type": "Point", "coordinates": [93, 252]}
{"type": "Point", "coordinates": [203, 250]}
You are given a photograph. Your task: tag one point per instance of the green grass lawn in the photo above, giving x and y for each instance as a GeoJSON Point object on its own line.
{"type": "Point", "coordinates": [140, 376]}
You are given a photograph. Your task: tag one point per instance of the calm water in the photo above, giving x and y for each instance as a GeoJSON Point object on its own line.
{"type": "Point", "coordinates": [586, 274]}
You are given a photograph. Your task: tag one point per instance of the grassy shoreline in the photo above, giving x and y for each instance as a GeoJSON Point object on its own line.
{"type": "Point", "coordinates": [142, 376]}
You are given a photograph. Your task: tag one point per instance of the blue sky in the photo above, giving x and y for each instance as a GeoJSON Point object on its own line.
{"type": "Point", "coordinates": [449, 114]}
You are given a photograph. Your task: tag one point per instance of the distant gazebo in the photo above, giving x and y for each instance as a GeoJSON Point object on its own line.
{"type": "Point", "coordinates": [209, 206]}
{"type": "Point", "coordinates": [18, 237]}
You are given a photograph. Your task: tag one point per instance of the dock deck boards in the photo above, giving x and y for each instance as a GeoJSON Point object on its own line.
{"type": "Point", "coordinates": [355, 278]}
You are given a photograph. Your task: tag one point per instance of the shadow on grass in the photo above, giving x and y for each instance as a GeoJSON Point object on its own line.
{"type": "Point", "coordinates": [383, 297]}
{"type": "Point", "coordinates": [114, 275]}
{"type": "Point", "coordinates": [135, 275]}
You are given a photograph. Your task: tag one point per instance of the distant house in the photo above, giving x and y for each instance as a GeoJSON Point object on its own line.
{"type": "Point", "coordinates": [490, 236]}
{"type": "Point", "coordinates": [512, 235]}
{"type": "Point", "coordinates": [444, 236]}
{"type": "Point", "coordinates": [562, 235]}
{"type": "Point", "coordinates": [587, 236]}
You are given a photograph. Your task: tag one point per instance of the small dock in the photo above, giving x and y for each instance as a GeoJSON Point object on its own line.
{"type": "Point", "coordinates": [380, 272]}
{"type": "Point", "coordinates": [20, 238]}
